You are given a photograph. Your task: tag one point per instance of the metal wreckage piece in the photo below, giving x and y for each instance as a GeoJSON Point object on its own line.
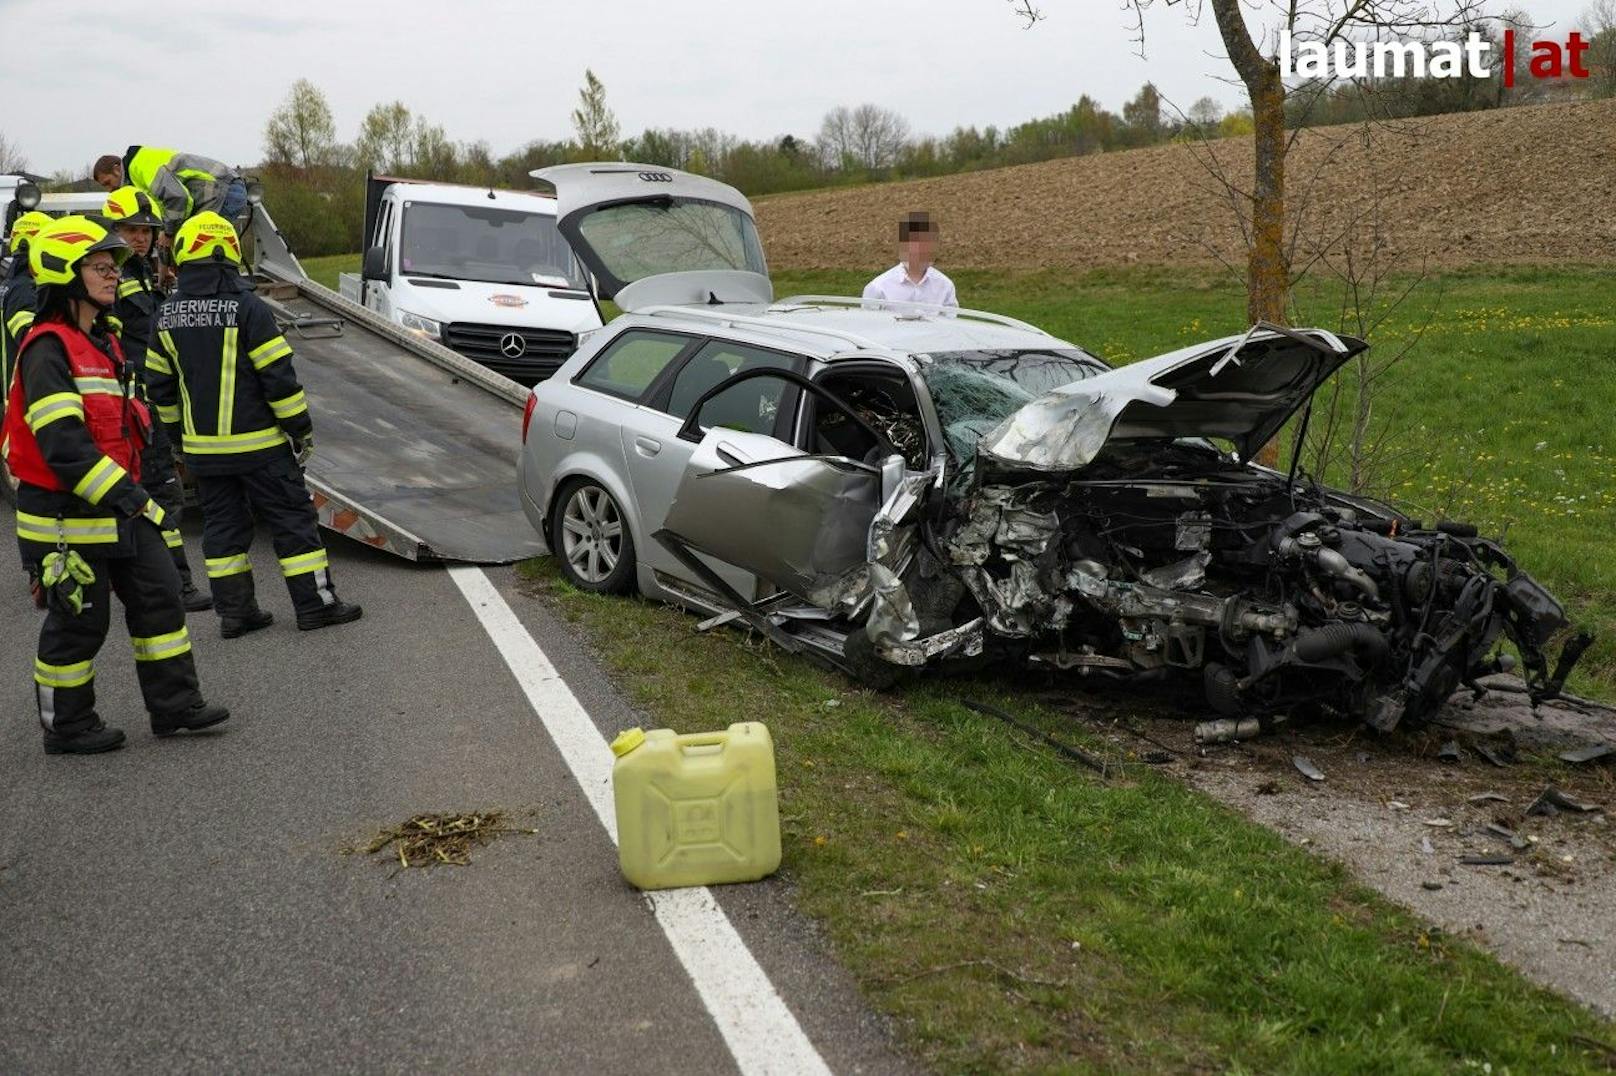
{"type": "Point", "coordinates": [1134, 560]}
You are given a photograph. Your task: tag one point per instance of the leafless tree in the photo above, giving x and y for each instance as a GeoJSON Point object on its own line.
{"type": "Point", "coordinates": [1250, 34]}
{"type": "Point", "coordinates": [11, 156]}
{"type": "Point", "coordinates": [1600, 21]}
{"type": "Point", "coordinates": [1205, 114]}
{"type": "Point", "coordinates": [1375, 280]}
{"type": "Point", "coordinates": [868, 136]}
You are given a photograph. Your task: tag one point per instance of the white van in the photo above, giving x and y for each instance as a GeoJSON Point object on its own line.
{"type": "Point", "coordinates": [484, 272]}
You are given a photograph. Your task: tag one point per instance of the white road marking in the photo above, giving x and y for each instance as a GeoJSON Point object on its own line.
{"type": "Point", "coordinates": [762, 1034]}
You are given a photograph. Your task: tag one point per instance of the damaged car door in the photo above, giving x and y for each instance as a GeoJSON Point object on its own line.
{"type": "Point", "coordinates": [794, 519]}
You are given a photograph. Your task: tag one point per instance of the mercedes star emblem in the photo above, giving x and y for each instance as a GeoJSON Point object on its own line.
{"type": "Point", "coordinates": [512, 346]}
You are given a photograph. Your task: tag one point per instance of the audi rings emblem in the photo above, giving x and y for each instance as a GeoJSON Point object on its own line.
{"type": "Point", "coordinates": [656, 177]}
{"type": "Point", "coordinates": [512, 346]}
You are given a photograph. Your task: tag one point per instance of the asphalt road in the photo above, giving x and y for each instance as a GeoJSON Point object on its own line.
{"type": "Point", "coordinates": [183, 904]}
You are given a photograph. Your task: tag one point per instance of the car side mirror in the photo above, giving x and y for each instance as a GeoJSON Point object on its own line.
{"type": "Point", "coordinates": [374, 266]}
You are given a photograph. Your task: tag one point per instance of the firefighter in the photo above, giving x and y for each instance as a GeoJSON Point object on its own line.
{"type": "Point", "coordinates": [181, 183]}
{"type": "Point", "coordinates": [73, 434]}
{"type": "Point", "coordinates": [136, 223]}
{"type": "Point", "coordinates": [222, 379]}
{"type": "Point", "coordinates": [17, 292]}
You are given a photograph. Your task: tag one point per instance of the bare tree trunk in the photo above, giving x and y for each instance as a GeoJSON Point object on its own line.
{"type": "Point", "coordinates": [1268, 277]}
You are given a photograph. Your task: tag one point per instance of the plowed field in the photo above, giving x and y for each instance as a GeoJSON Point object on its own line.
{"type": "Point", "coordinates": [1522, 186]}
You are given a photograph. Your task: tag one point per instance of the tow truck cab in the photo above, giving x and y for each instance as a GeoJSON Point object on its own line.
{"type": "Point", "coordinates": [484, 272]}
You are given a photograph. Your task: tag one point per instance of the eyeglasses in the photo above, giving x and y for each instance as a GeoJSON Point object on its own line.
{"type": "Point", "coordinates": [104, 270]}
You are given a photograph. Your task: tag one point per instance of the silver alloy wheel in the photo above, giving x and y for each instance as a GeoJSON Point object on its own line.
{"type": "Point", "coordinates": [591, 533]}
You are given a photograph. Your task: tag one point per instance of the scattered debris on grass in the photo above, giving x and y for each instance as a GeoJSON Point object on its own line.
{"type": "Point", "coordinates": [1552, 801]}
{"type": "Point", "coordinates": [431, 840]}
{"type": "Point", "coordinates": [1589, 753]}
{"type": "Point", "coordinates": [1305, 767]}
{"type": "Point", "coordinates": [1084, 758]}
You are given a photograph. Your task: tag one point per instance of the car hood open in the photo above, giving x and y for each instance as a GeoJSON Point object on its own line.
{"type": "Point", "coordinates": [1241, 389]}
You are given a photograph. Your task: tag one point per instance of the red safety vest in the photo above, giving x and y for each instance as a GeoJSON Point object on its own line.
{"type": "Point", "coordinates": [115, 421]}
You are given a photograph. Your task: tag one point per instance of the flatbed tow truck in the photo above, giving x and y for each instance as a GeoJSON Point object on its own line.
{"type": "Point", "coordinates": [415, 444]}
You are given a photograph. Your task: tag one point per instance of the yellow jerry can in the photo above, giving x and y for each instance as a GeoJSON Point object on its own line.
{"type": "Point", "coordinates": [698, 809]}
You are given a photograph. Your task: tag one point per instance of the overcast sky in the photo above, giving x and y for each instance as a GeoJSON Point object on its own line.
{"type": "Point", "coordinates": [204, 77]}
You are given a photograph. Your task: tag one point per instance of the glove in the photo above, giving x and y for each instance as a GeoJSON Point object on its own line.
{"type": "Point", "coordinates": [303, 449]}
{"type": "Point", "coordinates": [63, 577]}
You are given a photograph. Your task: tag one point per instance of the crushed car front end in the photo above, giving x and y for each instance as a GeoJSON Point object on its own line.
{"type": "Point", "coordinates": [1113, 526]}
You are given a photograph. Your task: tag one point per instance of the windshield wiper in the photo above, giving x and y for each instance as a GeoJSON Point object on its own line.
{"type": "Point", "coordinates": [434, 276]}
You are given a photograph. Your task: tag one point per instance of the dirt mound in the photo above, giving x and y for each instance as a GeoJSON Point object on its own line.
{"type": "Point", "coordinates": [1521, 185]}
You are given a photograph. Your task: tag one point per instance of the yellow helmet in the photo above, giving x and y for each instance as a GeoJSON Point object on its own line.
{"type": "Point", "coordinates": [131, 205]}
{"type": "Point", "coordinates": [26, 227]}
{"type": "Point", "coordinates": [207, 235]}
{"type": "Point", "coordinates": [56, 250]}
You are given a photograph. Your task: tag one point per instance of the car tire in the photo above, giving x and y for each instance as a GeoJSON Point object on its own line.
{"type": "Point", "coordinates": [590, 538]}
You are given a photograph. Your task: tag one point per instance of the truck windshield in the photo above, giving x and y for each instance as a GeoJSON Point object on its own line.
{"type": "Point", "coordinates": [499, 246]}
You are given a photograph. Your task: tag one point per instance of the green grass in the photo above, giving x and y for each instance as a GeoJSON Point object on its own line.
{"type": "Point", "coordinates": [325, 270]}
{"type": "Point", "coordinates": [1015, 913]}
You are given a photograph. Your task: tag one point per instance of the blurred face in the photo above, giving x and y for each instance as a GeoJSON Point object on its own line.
{"type": "Point", "coordinates": [112, 180]}
{"type": "Point", "coordinates": [919, 251]}
{"type": "Point", "coordinates": [138, 238]}
{"type": "Point", "coordinates": [100, 274]}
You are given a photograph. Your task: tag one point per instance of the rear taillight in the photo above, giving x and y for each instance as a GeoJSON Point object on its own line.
{"type": "Point", "coordinates": [527, 414]}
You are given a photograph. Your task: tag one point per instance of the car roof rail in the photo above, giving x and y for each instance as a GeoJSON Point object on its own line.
{"type": "Point", "coordinates": [802, 302]}
{"type": "Point", "coordinates": [716, 314]}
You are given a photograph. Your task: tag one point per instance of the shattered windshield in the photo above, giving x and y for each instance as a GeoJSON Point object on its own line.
{"type": "Point", "coordinates": [974, 391]}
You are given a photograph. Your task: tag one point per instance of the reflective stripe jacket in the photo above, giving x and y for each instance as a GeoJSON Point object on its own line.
{"type": "Point", "coordinates": [182, 183]}
{"type": "Point", "coordinates": [16, 314]}
{"type": "Point", "coordinates": [221, 375]}
{"type": "Point", "coordinates": [73, 435]}
{"type": "Point", "coordinates": [136, 310]}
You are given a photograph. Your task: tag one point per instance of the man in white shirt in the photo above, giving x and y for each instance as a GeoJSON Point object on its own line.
{"type": "Point", "coordinates": [914, 279]}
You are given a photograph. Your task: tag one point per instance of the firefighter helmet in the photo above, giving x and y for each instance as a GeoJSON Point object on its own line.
{"type": "Point", "coordinates": [207, 235]}
{"type": "Point", "coordinates": [55, 252]}
{"type": "Point", "coordinates": [26, 227]}
{"type": "Point", "coordinates": [132, 206]}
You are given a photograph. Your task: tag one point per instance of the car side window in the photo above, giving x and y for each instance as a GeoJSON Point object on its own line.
{"type": "Point", "coordinates": [627, 366]}
{"type": "Point", "coordinates": [752, 406]}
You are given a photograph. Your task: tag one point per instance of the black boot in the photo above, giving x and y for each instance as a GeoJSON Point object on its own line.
{"type": "Point", "coordinates": [92, 741]}
{"type": "Point", "coordinates": [200, 716]}
{"type": "Point", "coordinates": [232, 627]}
{"type": "Point", "coordinates": [338, 612]}
{"type": "Point", "coordinates": [194, 600]}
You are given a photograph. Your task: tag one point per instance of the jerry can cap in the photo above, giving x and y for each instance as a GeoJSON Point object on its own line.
{"type": "Point", "coordinates": [627, 740]}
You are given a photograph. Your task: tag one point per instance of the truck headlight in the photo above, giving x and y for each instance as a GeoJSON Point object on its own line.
{"type": "Point", "coordinates": [417, 324]}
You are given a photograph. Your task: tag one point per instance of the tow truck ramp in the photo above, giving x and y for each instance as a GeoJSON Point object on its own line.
{"type": "Point", "coordinates": [415, 444]}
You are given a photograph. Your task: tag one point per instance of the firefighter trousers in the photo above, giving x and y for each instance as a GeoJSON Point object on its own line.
{"type": "Point", "coordinates": [149, 588]}
{"type": "Point", "coordinates": [159, 478]}
{"type": "Point", "coordinates": [277, 495]}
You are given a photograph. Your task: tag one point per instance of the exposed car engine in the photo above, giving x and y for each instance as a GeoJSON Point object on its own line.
{"type": "Point", "coordinates": [1181, 558]}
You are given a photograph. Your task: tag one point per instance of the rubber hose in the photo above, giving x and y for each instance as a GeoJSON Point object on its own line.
{"type": "Point", "coordinates": [1321, 644]}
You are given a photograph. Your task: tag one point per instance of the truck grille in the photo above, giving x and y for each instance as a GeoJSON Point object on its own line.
{"type": "Point", "coordinates": [543, 349]}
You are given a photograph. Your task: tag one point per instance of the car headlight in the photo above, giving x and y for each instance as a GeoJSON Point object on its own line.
{"type": "Point", "coordinates": [417, 324]}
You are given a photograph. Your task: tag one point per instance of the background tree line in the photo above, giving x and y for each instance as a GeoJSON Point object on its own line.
{"type": "Point", "coordinates": [314, 180]}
